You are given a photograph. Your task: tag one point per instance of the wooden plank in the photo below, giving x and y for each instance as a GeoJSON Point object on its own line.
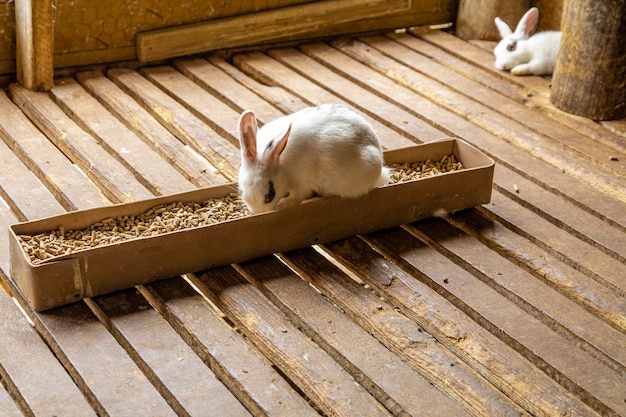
{"type": "Point", "coordinates": [537, 97]}
{"type": "Point", "coordinates": [592, 262]}
{"type": "Point", "coordinates": [326, 98]}
{"type": "Point", "coordinates": [8, 406]}
{"type": "Point", "coordinates": [53, 168]}
{"type": "Point", "coordinates": [243, 369]}
{"type": "Point", "coordinates": [305, 364]}
{"type": "Point", "coordinates": [30, 371]}
{"type": "Point", "coordinates": [539, 88]}
{"type": "Point", "coordinates": [264, 26]}
{"type": "Point", "coordinates": [513, 131]}
{"type": "Point", "coordinates": [403, 337]}
{"type": "Point", "coordinates": [147, 127]}
{"type": "Point", "coordinates": [34, 37]}
{"type": "Point", "coordinates": [209, 108]}
{"type": "Point", "coordinates": [385, 123]}
{"type": "Point", "coordinates": [562, 213]}
{"type": "Point", "coordinates": [176, 116]}
{"type": "Point", "coordinates": [151, 169]}
{"type": "Point", "coordinates": [547, 129]}
{"type": "Point", "coordinates": [592, 295]}
{"type": "Point", "coordinates": [492, 358]}
{"type": "Point", "coordinates": [98, 363]}
{"type": "Point", "coordinates": [164, 354]}
{"type": "Point", "coordinates": [20, 188]}
{"type": "Point", "coordinates": [116, 181]}
{"type": "Point", "coordinates": [597, 203]}
{"type": "Point", "coordinates": [391, 380]}
{"type": "Point", "coordinates": [556, 310]}
{"type": "Point", "coordinates": [231, 86]}
{"type": "Point", "coordinates": [556, 355]}
{"type": "Point", "coordinates": [286, 102]}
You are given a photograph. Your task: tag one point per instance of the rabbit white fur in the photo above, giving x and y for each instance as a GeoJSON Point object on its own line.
{"type": "Point", "coordinates": [327, 150]}
{"type": "Point", "coordinates": [522, 53]}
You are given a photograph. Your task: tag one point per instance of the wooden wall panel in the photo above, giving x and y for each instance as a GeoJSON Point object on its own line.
{"type": "Point", "coordinates": [7, 37]}
{"type": "Point", "coordinates": [88, 32]}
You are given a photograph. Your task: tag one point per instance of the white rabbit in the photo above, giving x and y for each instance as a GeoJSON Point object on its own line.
{"type": "Point", "coordinates": [327, 150]}
{"type": "Point", "coordinates": [522, 53]}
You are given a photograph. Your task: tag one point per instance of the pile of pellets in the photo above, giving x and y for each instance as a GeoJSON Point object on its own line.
{"type": "Point", "coordinates": [412, 171]}
{"type": "Point", "coordinates": [179, 216]}
{"type": "Point", "coordinates": [157, 220]}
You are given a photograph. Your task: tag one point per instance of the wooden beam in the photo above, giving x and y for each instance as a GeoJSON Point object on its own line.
{"type": "Point", "coordinates": [266, 26]}
{"type": "Point", "coordinates": [35, 44]}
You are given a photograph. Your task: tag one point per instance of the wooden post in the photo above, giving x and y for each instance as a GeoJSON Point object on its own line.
{"type": "Point", "coordinates": [590, 75]}
{"type": "Point", "coordinates": [35, 45]}
{"type": "Point", "coordinates": [475, 18]}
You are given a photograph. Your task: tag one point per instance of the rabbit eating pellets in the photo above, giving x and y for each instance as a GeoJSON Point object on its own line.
{"type": "Point", "coordinates": [522, 53]}
{"type": "Point", "coordinates": [327, 150]}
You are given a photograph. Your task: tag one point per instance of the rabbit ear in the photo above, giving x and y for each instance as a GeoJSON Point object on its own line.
{"type": "Point", "coordinates": [528, 23]}
{"type": "Point", "coordinates": [275, 148]}
{"type": "Point", "coordinates": [503, 28]}
{"type": "Point", "coordinates": [247, 135]}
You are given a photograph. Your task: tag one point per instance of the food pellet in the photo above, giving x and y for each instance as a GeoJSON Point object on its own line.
{"type": "Point", "coordinates": [412, 171]}
{"type": "Point", "coordinates": [177, 216]}
{"type": "Point", "coordinates": [156, 220]}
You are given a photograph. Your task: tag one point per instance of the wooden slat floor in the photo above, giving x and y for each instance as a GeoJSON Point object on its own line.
{"type": "Point", "coordinates": [514, 308]}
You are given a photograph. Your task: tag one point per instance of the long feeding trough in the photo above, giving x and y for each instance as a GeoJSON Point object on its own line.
{"type": "Point", "coordinates": [70, 275]}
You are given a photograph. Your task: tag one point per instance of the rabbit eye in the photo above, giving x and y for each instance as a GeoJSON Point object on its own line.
{"type": "Point", "coordinates": [511, 47]}
{"type": "Point", "coordinates": [271, 193]}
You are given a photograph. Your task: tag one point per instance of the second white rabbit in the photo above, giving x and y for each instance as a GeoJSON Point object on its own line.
{"type": "Point", "coordinates": [522, 53]}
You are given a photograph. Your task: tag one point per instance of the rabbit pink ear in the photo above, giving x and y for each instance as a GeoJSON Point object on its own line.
{"type": "Point", "coordinates": [528, 23]}
{"type": "Point", "coordinates": [247, 135]}
{"type": "Point", "coordinates": [275, 148]}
